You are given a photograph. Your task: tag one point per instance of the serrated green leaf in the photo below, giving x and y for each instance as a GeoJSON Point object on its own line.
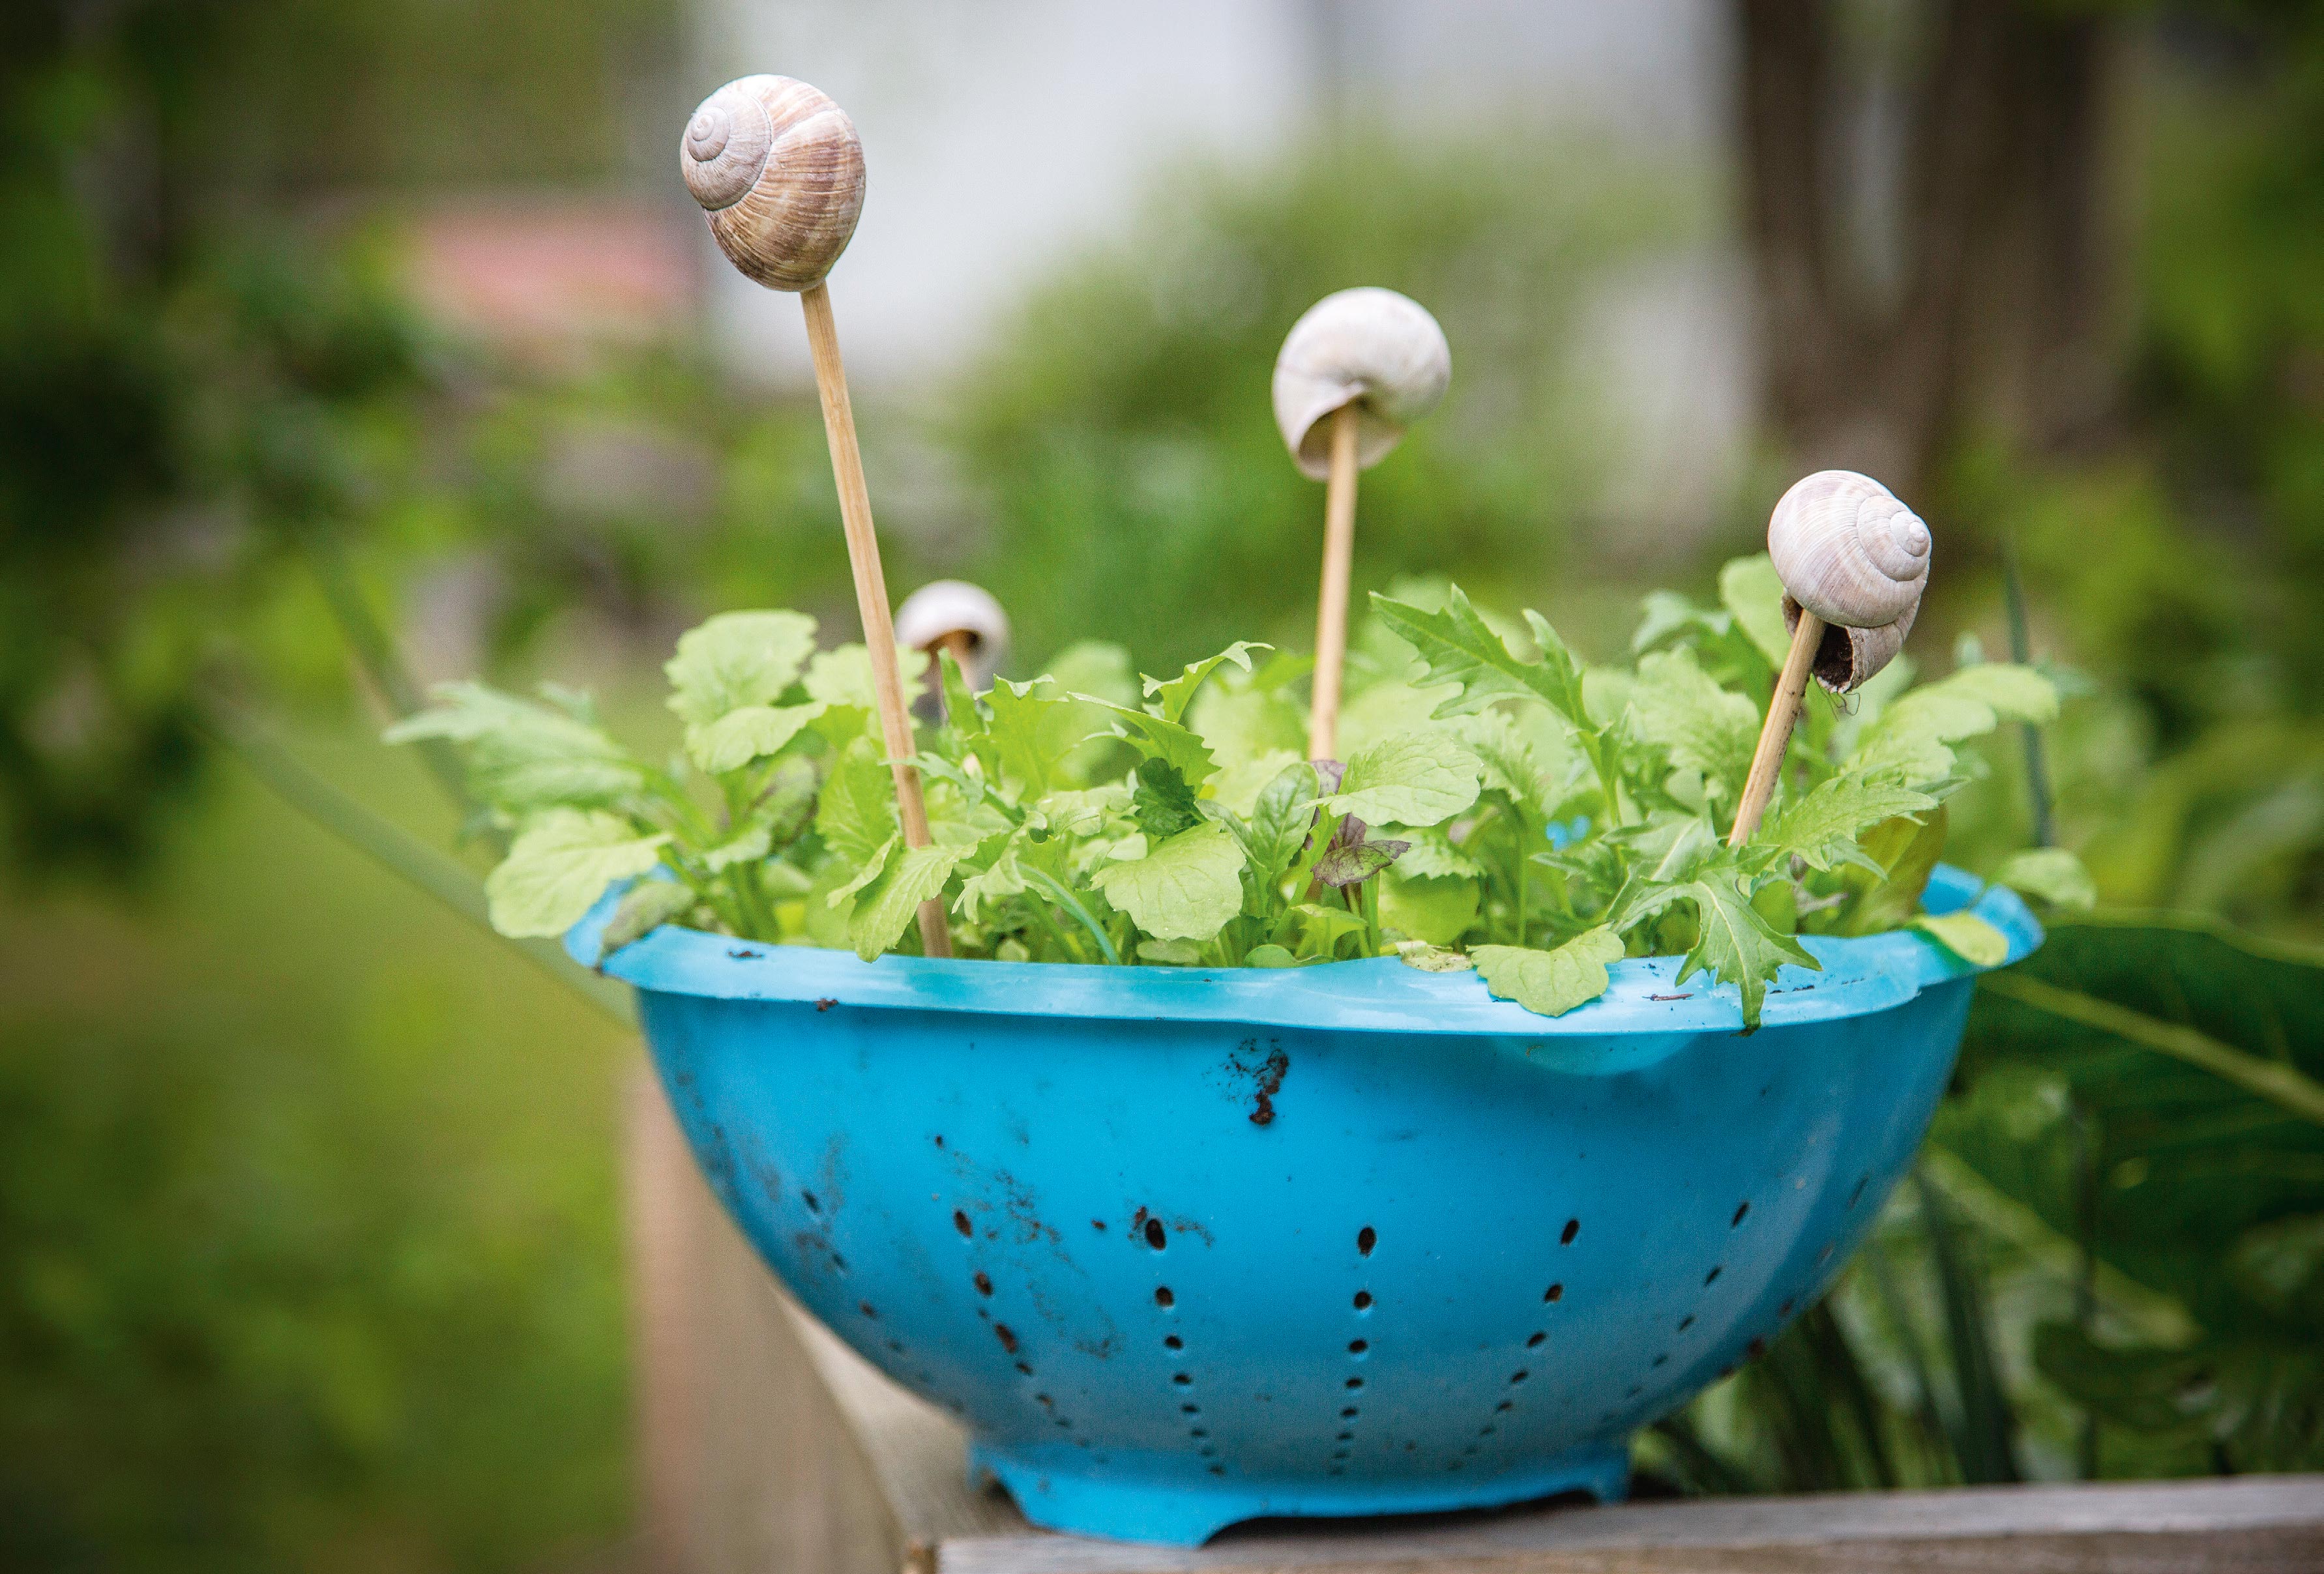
{"type": "Point", "coordinates": [1702, 727]}
{"type": "Point", "coordinates": [2051, 873]}
{"type": "Point", "coordinates": [1434, 855]}
{"type": "Point", "coordinates": [1967, 937]}
{"type": "Point", "coordinates": [884, 907]}
{"type": "Point", "coordinates": [1455, 646]}
{"type": "Point", "coordinates": [560, 865]}
{"type": "Point", "coordinates": [1752, 592]}
{"type": "Point", "coordinates": [736, 660]}
{"type": "Point", "coordinates": [1184, 888]}
{"type": "Point", "coordinates": [1823, 825]}
{"type": "Point", "coordinates": [644, 908]}
{"type": "Point", "coordinates": [1168, 698]}
{"type": "Point", "coordinates": [1157, 739]}
{"type": "Point", "coordinates": [1550, 982]}
{"type": "Point", "coordinates": [1164, 804]}
{"type": "Point", "coordinates": [1415, 778]}
{"type": "Point", "coordinates": [856, 812]}
{"type": "Point", "coordinates": [1734, 942]}
{"type": "Point", "coordinates": [746, 733]}
{"type": "Point", "coordinates": [875, 864]}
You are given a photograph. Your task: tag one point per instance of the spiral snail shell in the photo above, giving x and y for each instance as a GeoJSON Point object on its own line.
{"type": "Point", "coordinates": [963, 618]}
{"type": "Point", "coordinates": [777, 166]}
{"type": "Point", "coordinates": [1370, 347]}
{"type": "Point", "coordinates": [1849, 552]}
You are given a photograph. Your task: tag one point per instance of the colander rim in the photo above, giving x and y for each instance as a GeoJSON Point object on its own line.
{"type": "Point", "coordinates": [1859, 976]}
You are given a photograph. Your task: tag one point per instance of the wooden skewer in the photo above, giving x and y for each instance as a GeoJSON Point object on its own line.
{"type": "Point", "coordinates": [1775, 737]}
{"type": "Point", "coordinates": [870, 591]}
{"type": "Point", "coordinates": [1332, 604]}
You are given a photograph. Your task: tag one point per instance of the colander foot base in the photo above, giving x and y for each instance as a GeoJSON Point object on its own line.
{"type": "Point", "coordinates": [1063, 1494]}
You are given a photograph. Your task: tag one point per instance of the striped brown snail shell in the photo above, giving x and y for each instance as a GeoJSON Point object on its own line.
{"type": "Point", "coordinates": [1850, 552]}
{"type": "Point", "coordinates": [777, 168]}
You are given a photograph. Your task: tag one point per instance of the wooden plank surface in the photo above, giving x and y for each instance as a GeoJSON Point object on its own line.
{"type": "Point", "coordinates": [2191, 1527]}
{"type": "Point", "coordinates": [769, 1447]}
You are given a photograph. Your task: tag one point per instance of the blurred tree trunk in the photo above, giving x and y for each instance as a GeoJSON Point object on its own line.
{"type": "Point", "coordinates": [2000, 306]}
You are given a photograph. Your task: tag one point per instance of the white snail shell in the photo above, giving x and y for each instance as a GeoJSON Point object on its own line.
{"type": "Point", "coordinates": [777, 166]}
{"type": "Point", "coordinates": [943, 608]}
{"type": "Point", "coordinates": [1370, 347]}
{"type": "Point", "coordinates": [1849, 552]}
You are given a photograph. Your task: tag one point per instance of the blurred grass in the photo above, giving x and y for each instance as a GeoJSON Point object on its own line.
{"type": "Point", "coordinates": [310, 1201]}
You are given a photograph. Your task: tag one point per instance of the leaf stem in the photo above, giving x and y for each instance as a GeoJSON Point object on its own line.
{"type": "Point", "coordinates": [1065, 899]}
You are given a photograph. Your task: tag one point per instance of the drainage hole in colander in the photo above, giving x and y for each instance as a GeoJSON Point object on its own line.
{"type": "Point", "coordinates": [1504, 1404]}
{"type": "Point", "coordinates": [1713, 1277]}
{"type": "Point", "coordinates": [1355, 1382]}
{"type": "Point", "coordinates": [1357, 1347]}
{"type": "Point", "coordinates": [1162, 1296]}
{"type": "Point", "coordinates": [1345, 1437]}
{"type": "Point", "coordinates": [1043, 1399]}
{"type": "Point", "coordinates": [1183, 1379]}
{"type": "Point", "coordinates": [1190, 1410]}
{"type": "Point", "coordinates": [1155, 1236]}
{"type": "Point", "coordinates": [960, 1221]}
{"type": "Point", "coordinates": [1534, 1343]}
{"type": "Point", "coordinates": [1027, 1370]}
{"type": "Point", "coordinates": [983, 1284]}
{"type": "Point", "coordinates": [1487, 1430]}
{"type": "Point", "coordinates": [1198, 1432]}
{"type": "Point", "coordinates": [1008, 1337]}
{"type": "Point", "coordinates": [1366, 1238]}
{"type": "Point", "coordinates": [1349, 1413]}
{"type": "Point", "coordinates": [811, 1205]}
{"type": "Point", "coordinates": [1740, 1209]}
{"type": "Point", "coordinates": [1363, 1301]}
{"type": "Point", "coordinates": [1065, 1421]}
{"type": "Point", "coordinates": [1686, 1322]}
{"type": "Point", "coordinates": [1660, 1359]}
{"type": "Point", "coordinates": [1857, 1194]}
{"type": "Point", "coordinates": [1634, 1392]}
{"type": "Point", "coordinates": [1218, 1470]}
{"type": "Point", "coordinates": [1755, 1349]}
{"type": "Point", "coordinates": [895, 1345]}
{"type": "Point", "coordinates": [1519, 1376]}
{"type": "Point", "coordinates": [1555, 1293]}
{"type": "Point", "coordinates": [1786, 1309]}
{"type": "Point", "coordinates": [865, 1308]}
{"type": "Point", "coordinates": [1173, 1342]}
{"type": "Point", "coordinates": [839, 1262]}
{"type": "Point", "coordinates": [1572, 1227]}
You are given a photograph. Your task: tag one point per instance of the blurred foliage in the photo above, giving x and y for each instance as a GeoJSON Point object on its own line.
{"type": "Point", "coordinates": [1121, 437]}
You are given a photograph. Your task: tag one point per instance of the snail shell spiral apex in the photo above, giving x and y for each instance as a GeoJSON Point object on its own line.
{"type": "Point", "coordinates": [1850, 552]}
{"type": "Point", "coordinates": [779, 169]}
{"type": "Point", "coordinates": [1372, 348]}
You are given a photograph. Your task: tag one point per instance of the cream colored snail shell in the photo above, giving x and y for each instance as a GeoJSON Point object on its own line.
{"type": "Point", "coordinates": [1849, 552]}
{"type": "Point", "coordinates": [777, 166]}
{"type": "Point", "coordinates": [942, 608]}
{"type": "Point", "coordinates": [1370, 347]}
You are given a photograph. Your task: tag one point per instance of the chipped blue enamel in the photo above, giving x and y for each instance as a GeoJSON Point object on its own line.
{"type": "Point", "coordinates": [854, 1115]}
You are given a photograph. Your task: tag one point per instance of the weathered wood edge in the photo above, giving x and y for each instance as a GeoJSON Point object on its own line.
{"type": "Point", "coordinates": [2249, 1522]}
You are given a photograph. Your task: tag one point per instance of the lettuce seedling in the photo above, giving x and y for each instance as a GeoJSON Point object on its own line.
{"type": "Point", "coordinates": [1503, 805]}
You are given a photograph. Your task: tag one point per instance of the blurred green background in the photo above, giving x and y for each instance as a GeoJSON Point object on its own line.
{"type": "Point", "coordinates": [309, 1196]}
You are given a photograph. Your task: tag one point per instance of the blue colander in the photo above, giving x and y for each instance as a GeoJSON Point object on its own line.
{"type": "Point", "coordinates": [1184, 1248]}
